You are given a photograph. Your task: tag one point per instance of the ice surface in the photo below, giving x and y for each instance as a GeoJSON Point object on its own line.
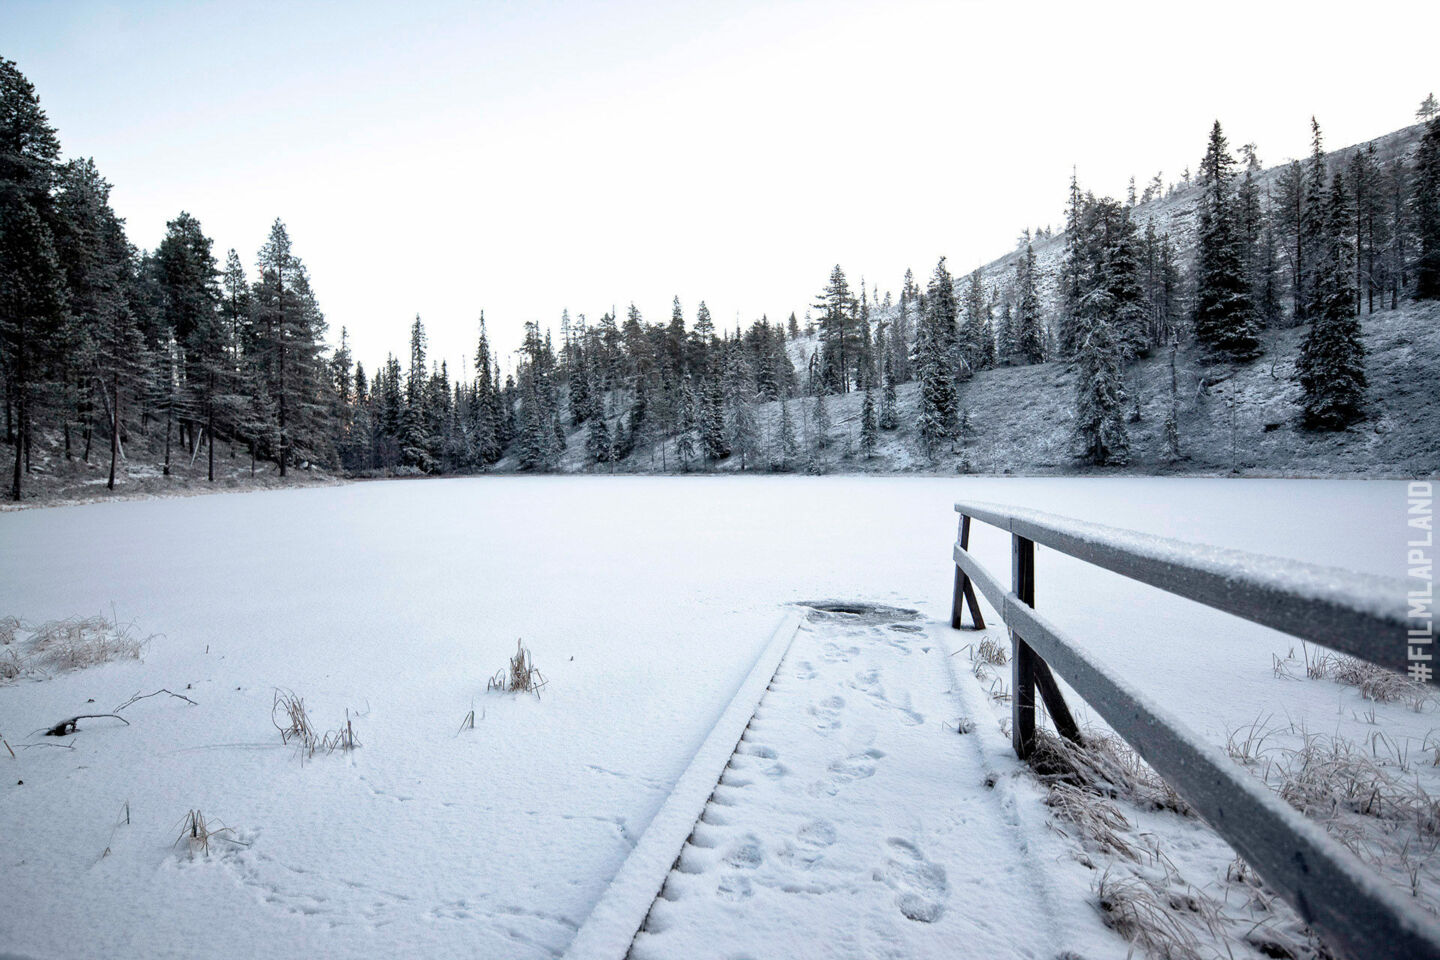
{"type": "Point", "coordinates": [398, 600]}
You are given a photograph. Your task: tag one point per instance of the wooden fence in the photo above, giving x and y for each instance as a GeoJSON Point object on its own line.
{"type": "Point", "coordinates": [1357, 912]}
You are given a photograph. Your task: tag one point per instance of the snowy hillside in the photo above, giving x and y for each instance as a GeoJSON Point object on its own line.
{"type": "Point", "coordinates": [1241, 419]}
{"type": "Point", "coordinates": [1175, 214]}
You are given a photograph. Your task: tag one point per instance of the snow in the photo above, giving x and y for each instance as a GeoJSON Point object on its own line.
{"type": "Point", "coordinates": [397, 600]}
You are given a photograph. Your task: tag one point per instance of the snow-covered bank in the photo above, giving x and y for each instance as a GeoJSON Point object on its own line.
{"type": "Point", "coordinates": [398, 600]}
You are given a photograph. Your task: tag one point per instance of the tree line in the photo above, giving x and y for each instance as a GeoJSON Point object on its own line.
{"type": "Point", "coordinates": [102, 343]}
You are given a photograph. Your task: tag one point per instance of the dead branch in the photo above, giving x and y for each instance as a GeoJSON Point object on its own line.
{"type": "Point", "coordinates": [157, 693]}
{"type": "Point", "coordinates": [68, 726]}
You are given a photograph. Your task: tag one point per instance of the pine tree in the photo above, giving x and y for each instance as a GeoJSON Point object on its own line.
{"type": "Point", "coordinates": [836, 333]}
{"type": "Point", "coordinates": [1225, 320]}
{"type": "Point", "coordinates": [31, 311]}
{"type": "Point", "coordinates": [32, 294]}
{"type": "Point", "coordinates": [1331, 367]}
{"type": "Point", "coordinates": [190, 297]}
{"type": "Point", "coordinates": [290, 328]}
{"type": "Point", "coordinates": [1426, 205]}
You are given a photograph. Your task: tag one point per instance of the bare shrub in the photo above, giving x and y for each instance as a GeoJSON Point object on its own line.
{"type": "Point", "coordinates": [521, 676]}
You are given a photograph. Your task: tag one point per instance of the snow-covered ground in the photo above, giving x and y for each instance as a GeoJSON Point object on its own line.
{"type": "Point", "coordinates": [645, 602]}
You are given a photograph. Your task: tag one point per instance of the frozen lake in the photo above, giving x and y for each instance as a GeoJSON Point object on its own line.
{"type": "Point", "coordinates": [645, 601]}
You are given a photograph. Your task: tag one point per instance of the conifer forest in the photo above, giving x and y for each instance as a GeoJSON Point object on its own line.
{"type": "Point", "coordinates": [182, 353]}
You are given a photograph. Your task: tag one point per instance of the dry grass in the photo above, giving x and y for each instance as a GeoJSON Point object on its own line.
{"type": "Point", "coordinates": [1096, 791]}
{"type": "Point", "coordinates": [521, 676]}
{"type": "Point", "coordinates": [1143, 913]}
{"type": "Point", "coordinates": [1366, 795]}
{"type": "Point", "coordinates": [290, 716]}
{"type": "Point", "coordinates": [69, 644]}
{"type": "Point", "coordinates": [1106, 767]}
{"type": "Point", "coordinates": [196, 833]}
{"type": "Point", "coordinates": [1374, 682]}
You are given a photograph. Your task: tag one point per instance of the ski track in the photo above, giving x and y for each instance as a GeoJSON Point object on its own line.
{"type": "Point", "coordinates": [849, 797]}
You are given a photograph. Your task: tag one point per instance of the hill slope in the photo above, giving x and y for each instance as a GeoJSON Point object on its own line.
{"type": "Point", "coordinates": [1233, 419]}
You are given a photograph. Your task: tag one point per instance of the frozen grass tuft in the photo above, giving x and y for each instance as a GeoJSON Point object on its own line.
{"type": "Point", "coordinates": [290, 716]}
{"type": "Point", "coordinates": [1374, 682]}
{"type": "Point", "coordinates": [196, 833]}
{"type": "Point", "coordinates": [521, 676]}
{"type": "Point", "coordinates": [1141, 912]}
{"type": "Point", "coordinates": [1105, 767]}
{"type": "Point", "coordinates": [70, 644]}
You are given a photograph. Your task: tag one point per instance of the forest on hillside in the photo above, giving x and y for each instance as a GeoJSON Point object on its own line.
{"type": "Point", "coordinates": [111, 355]}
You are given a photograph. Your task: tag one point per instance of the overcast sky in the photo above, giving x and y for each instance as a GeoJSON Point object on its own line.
{"type": "Point", "coordinates": [442, 158]}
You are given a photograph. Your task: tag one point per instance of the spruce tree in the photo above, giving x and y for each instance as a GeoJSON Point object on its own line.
{"type": "Point", "coordinates": [822, 422]}
{"type": "Point", "coordinates": [712, 419]}
{"type": "Point", "coordinates": [1029, 330]}
{"type": "Point", "coordinates": [1225, 321]}
{"type": "Point", "coordinates": [788, 445]}
{"type": "Point", "coordinates": [417, 442]}
{"type": "Point", "coordinates": [935, 362]}
{"type": "Point", "coordinates": [889, 404]}
{"type": "Point", "coordinates": [869, 428]}
{"type": "Point", "coordinates": [1331, 366]}
{"type": "Point", "coordinates": [1100, 434]}
{"type": "Point", "coordinates": [597, 440]}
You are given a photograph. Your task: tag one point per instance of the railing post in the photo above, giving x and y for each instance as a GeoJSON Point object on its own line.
{"type": "Point", "coordinates": [964, 589]}
{"type": "Point", "coordinates": [1022, 658]}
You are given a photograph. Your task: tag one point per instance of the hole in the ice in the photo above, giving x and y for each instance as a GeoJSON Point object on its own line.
{"type": "Point", "coordinates": [853, 611]}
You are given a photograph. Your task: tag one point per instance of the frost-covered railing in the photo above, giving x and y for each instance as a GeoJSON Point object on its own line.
{"type": "Point", "coordinates": [1357, 912]}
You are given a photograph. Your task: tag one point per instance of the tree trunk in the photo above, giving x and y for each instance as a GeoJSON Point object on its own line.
{"type": "Point", "coordinates": [19, 443]}
{"type": "Point", "coordinates": [210, 429]}
{"type": "Point", "coordinates": [114, 430]}
{"type": "Point", "coordinates": [169, 409]}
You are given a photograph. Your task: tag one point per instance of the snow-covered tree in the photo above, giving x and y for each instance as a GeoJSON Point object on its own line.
{"type": "Point", "coordinates": [1331, 367]}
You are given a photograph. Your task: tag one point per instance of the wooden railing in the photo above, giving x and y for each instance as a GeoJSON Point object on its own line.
{"type": "Point", "coordinates": [1354, 910]}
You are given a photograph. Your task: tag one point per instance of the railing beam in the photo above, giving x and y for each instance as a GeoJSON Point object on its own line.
{"type": "Point", "coordinates": [1358, 913]}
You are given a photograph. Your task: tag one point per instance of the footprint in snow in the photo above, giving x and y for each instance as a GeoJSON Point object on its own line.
{"type": "Point", "coordinates": [920, 886]}
{"type": "Point", "coordinates": [746, 856]}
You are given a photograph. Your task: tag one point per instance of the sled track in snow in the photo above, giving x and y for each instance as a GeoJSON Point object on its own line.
{"type": "Point", "coordinates": [613, 923]}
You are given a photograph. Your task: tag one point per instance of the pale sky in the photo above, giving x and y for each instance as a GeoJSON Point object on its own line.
{"type": "Point", "coordinates": [442, 158]}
